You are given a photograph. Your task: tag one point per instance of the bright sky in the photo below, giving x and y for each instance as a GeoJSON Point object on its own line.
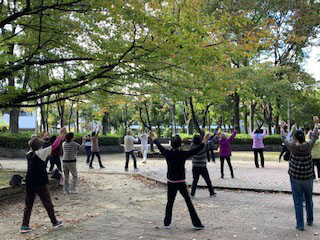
{"type": "Point", "coordinates": [313, 63]}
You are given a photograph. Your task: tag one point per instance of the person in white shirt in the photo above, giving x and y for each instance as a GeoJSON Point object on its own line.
{"type": "Point", "coordinates": [144, 147]}
{"type": "Point", "coordinates": [128, 148]}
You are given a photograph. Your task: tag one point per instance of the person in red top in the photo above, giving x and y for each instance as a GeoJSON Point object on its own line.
{"type": "Point", "coordinates": [55, 155]}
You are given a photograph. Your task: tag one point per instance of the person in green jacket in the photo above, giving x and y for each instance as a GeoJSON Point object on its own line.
{"type": "Point", "coordinates": [315, 156]}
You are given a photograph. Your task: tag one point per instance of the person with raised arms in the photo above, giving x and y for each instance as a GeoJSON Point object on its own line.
{"type": "Point", "coordinates": [176, 179]}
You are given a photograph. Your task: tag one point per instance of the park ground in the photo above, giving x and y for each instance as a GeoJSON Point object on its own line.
{"type": "Point", "coordinates": [117, 205]}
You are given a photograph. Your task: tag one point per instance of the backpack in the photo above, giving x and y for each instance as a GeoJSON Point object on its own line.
{"type": "Point", "coordinates": [16, 180]}
{"type": "Point", "coordinates": [56, 174]}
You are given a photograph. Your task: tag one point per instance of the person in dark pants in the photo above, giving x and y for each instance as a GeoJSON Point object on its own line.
{"type": "Point", "coordinates": [129, 150]}
{"type": "Point", "coordinates": [258, 147]}
{"type": "Point", "coordinates": [95, 151]}
{"type": "Point", "coordinates": [87, 145]}
{"type": "Point", "coordinates": [37, 180]}
{"type": "Point", "coordinates": [225, 151]}
{"type": "Point", "coordinates": [199, 167]}
{"type": "Point", "coordinates": [176, 159]}
{"type": "Point", "coordinates": [301, 172]}
{"type": "Point", "coordinates": [55, 155]}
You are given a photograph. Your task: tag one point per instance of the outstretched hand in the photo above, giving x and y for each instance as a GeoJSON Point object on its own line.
{"type": "Point", "coordinates": [151, 134]}
{"type": "Point", "coordinates": [283, 124]}
{"type": "Point", "coordinates": [63, 132]}
{"type": "Point", "coordinates": [206, 138]}
{"type": "Point", "coordinates": [316, 119]}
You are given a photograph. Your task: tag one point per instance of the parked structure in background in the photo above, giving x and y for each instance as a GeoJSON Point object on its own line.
{"type": "Point", "coordinates": [27, 120]}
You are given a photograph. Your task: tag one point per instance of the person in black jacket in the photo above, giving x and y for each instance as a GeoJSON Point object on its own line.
{"type": "Point", "coordinates": [37, 180]}
{"type": "Point", "coordinates": [176, 178]}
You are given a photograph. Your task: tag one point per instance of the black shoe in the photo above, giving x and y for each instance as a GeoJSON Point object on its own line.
{"type": "Point", "coordinates": [232, 176]}
{"type": "Point", "coordinates": [309, 224]}
{"type": "Point", "coordinates": [257, 166]}
{"type": "Point", "coordinates": [25, 229]}
{"type": "Point", "coordinates": [90, 167]}
{"type": "Point", "coordinates": [198, 227]}
{"type": "Point", "coordinates": [300, 229]}
{"type": "Point", "coordinates": [213, 194]}
{"type": "Point", "coordinates": [57, 224]}
{"type": "Point", "coordinates": [102, 166]}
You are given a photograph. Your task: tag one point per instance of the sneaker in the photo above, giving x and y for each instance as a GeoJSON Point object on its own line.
{"type": "Point", "coordinates": [136, 169]}
{"type": "Point", "coordinates": [126, 170]}
{"type": "Point", "coordinates": [167, 227]}
{"type": "Point", "coordinates": [57, 224]}
{"type": "Point", "coordinates": [102, 167]}
{"type": "Point", "coordinates": [300, 228]}
{"type": "Point", "coordinates": [74, 192]}
{"type": "Point", "coordinates": [25, 229]}
{"type": "Point", "coordinates": [91, 167]}
{"type": "Point", "coordinates": [200, 227]}
{"type": "Point", "coordinates": [310, 224]}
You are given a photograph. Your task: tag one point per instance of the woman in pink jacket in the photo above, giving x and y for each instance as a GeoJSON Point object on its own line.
{"type": "Point", "coordinates": [225, 151]}
{"type": "Point", "coordinates": [257, 136]}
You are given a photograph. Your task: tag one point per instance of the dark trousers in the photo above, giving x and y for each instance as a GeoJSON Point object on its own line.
{"type": "Point", "coordinates": [45, 198]}
{"type": "Point", "coordinates": [222, 165]}
{"type": "Point", "coordinates": [55, 160]}
{"type": "Point", "coordinates": [210, 153]}
{"type": "Point", "coordinates": [98, 156]}
{"type": "Point", "coordinates": [173, 188]}
{"type": "Point", "coordinates": [88, 152]}
{"type": "Point", "coordinates": [283, 150]}
{"type": "Point", "coordinates": [260, 151]}
{"type": "Point", "coordinates": [197, 172]}
{"type": "Point", "coordinates": [133, 157]}
{"type": "Point", "coordinates": [316, 163]}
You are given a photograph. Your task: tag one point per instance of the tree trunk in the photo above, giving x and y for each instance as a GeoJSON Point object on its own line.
{"type": "Point", "coordinates": [60, 106]}
{"type": "Point", "coordinates": [277, 124]}
{"type": "Point", "coordinates": [245, 119]}
{"type": "Point", "coordinates": [77, 120]}
{"type": "Point", "coordinates": [252, 111]}
{"type": "Point", "coordinates": [194, 118]}
{"type": "Point", "coordinates": [105, 123]}
{"type": "Point", "coordinates": [14, 120]}
{"type": "Point", "coordinates": [236, 103]}
{"type": "Point", "coordinates": [267, 115]}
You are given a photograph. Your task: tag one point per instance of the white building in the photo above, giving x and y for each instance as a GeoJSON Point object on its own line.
{"type": "Point", "coordinates": [27, 120]}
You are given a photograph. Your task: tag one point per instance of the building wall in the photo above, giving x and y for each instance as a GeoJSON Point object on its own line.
{"type": "Point", "coordinates": [27, 120]}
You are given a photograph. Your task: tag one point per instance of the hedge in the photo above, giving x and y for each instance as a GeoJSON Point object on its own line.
{"type": "Point", "coordinates": [20, 140]}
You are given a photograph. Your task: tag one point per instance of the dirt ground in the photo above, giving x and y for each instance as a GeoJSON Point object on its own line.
{"type": "Point", "coordinates": [117, 206]}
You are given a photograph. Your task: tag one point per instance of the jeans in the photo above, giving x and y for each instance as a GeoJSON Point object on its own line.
{"type": "Point", "coordinates": [197, 172]}
{"type": "Point", "coordinates": [88, 152]}
{"type": "Point", "coordinates": [300, 189]}
{"type": "Point", "coordinates": [45, 198]}
{"type": "Point", "coordinates": [210, 153]}
{"type": "Point", "coordinates": [260, 151]}
{"type": "Point", "coordinates": [173, 188]}
{"type": "Point", "coordinates": [98, 156]}
{"type": "Point", "coordinates": [70, 167]}
{"type": "Point", "coordinates": [222, 165]}
{"type": "Point", "coordinates": [133, 157]}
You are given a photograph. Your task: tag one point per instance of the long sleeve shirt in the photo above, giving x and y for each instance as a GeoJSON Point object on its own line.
{"type": "Point", "coordinates": [176, 160]}
{"type": "Point", "coordinates": [37, 174]}
{"type": "Point", "coordinates": [70, 151]}
{"type": "Point", "coordinates": [128, 143]}
{"type": "Point", "coordinates": [300, 163]}
{"type": "Point", "coordinates": [225, 145]}
{"type": "Point", "coordinates": [258, 139]}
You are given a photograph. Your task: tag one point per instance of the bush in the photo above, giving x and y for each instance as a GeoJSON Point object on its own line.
{"type": "Point", "coordinates": [20, 140]}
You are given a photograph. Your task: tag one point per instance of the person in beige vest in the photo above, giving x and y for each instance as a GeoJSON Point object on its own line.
{"type": "Point", "coordinates": [128, 148]}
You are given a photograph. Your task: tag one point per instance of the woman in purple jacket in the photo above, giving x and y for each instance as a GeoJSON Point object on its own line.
{"type": "Point", "coordinates": [225, 150]}
{"type": "Point", "coordinates": [257, 136]}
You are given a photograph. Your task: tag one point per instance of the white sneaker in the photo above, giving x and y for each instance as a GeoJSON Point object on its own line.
{"type": "Point", "coordinates": [166, 227]}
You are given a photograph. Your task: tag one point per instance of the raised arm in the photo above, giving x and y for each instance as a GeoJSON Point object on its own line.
{"type": "Point", "coordinates": [264, 133]}
{"type": "Point", "coordinates": [163, 150]}
{"type": "Point", "coordinates": [284, 137]}
{"type": "Point", "coordinates": [232, 136]}
{"type": "Point", "coordinates": [314, 135]}
{"type": "Point", "coordinates": [198, 148]}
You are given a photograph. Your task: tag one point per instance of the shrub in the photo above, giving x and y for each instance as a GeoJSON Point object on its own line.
{"type": "Point", "coordinates": [20, 140]}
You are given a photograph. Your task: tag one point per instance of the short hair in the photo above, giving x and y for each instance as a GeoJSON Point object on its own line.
{"type": "Point", "coordinates": [258, 131]}
{"type": "Point", "coordinates": [299, 135]}
{"type": "Point", "coordinates": [69, 136]}
{"type": "Point", "coordinates": [93, 134]}
{"type": "Point", "coordinates": [176, 142]}
{"type": "Point", "coordinates": [129, 132]}
{"type": "Point", "coordinates": [196, 139]}
{"type": "Point", "coordinates": [35, 144]}
{"type": "Point", "coordinates": [223, 135]}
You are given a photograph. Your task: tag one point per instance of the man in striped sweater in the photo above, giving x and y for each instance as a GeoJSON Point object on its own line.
{"type": "Point", "coordinates": [199, 167]}
{"type": "Point", "coordinates": [301, 172]}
